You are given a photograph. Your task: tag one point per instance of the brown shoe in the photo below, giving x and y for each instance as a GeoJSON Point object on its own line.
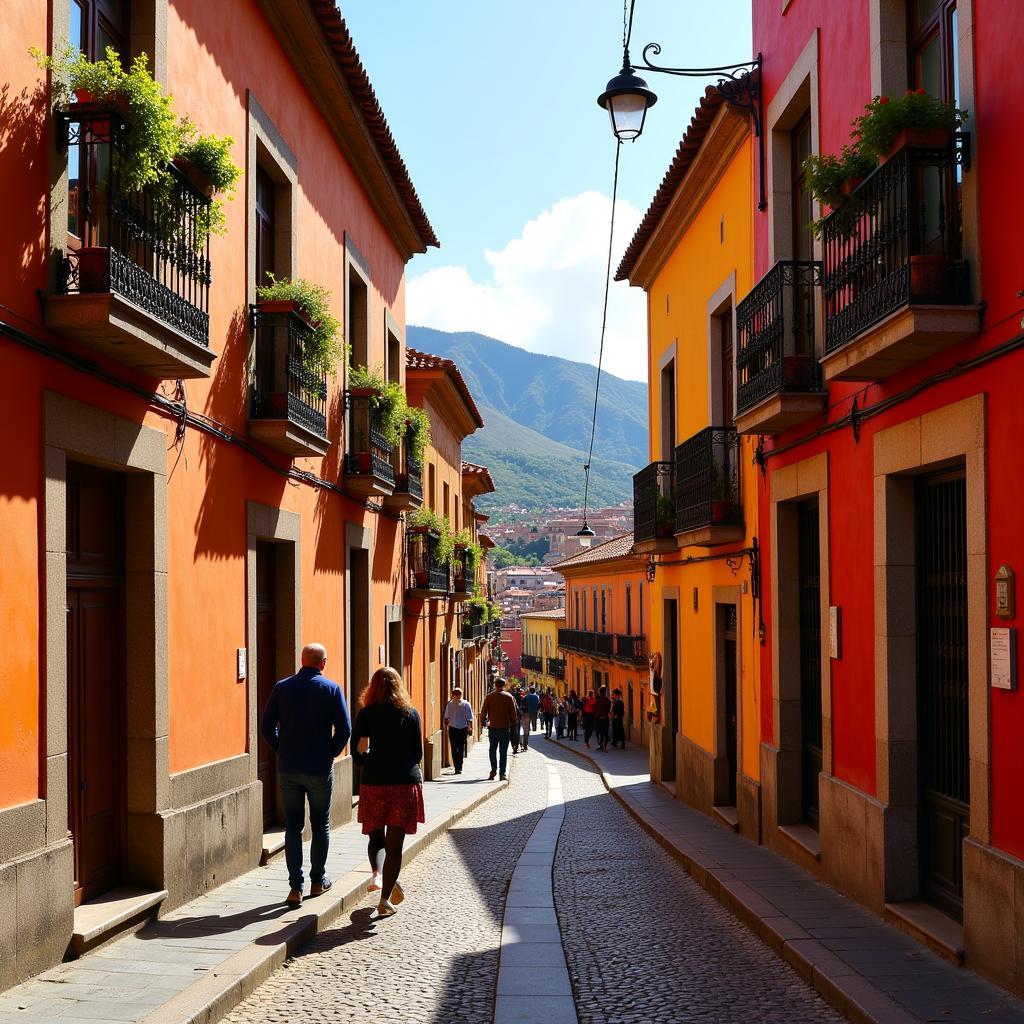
{"type": "Point", "coordinates": [491, 776]}
{"type": "Point", "coordinates": [319, 888]}
{"type": "Point", "coordinates": [294, 898]}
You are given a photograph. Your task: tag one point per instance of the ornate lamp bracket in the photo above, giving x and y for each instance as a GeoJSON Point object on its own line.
{"type": "Point", "coordinates": [740, 86]}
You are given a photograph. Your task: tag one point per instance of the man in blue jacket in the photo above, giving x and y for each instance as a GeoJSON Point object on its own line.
{"type": "Point", "coordinates": [306, 722]}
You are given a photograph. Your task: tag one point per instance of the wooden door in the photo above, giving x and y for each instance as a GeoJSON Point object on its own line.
{"type": "Point", "coordinates": [266, 668]}
{"type": "Point", "coordinates": [725, 323]}
{"type": "Point", "coordinates": [810, 658]}
{"type": "Point", "coordinates": [730, 709]}
{"type": "Point", "coordinates": [95, 659]}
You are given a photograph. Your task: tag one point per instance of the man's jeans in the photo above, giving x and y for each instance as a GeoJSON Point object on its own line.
{"type": "Point", "coordinates": [498, 738]}
{"type": "Point", "coordinates": [295, 788]}
{"type": "Point", "coordinates": [457, 742]}
{"type": "Point", "coordinates": [528, 721]}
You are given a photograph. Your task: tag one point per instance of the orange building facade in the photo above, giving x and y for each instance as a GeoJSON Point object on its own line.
{"type": "Point", "coordinates": [604, 642]}
{"type": "Point", "coordinates": [186, 505]}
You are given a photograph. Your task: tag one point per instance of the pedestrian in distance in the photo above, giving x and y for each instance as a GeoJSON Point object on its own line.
{"type": "Point", "coordinates": [573, 705]}
{"type": "Point", "coordinates": [589, 706]}
{"type": "Point", "coordinates": [306, 722]}
{"type": "Point", "coordinates": [458, 716]}
{"type": "Point", "coordinates": [391, 786]}
{"type": "Point", "coordinates": [531, 706]}
{"type": "Point", "coordinates": [602, 715]}
{"type": "Point", "coordinates": [561, 717]}
{"type": "Point", "coordinates": [618, 720]}
{"type": "Point", "coordinates": [547, 709]}
{"type": "Point", "coordinates": [517, 728]}
{"type": "Point", "coordinates": [500, 714]}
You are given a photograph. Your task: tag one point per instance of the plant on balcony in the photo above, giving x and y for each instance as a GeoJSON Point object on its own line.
{"type": "Point", "coordinates": [477, 610]}
{"type": "Point", "coordinates": [426, 520]}
{"type": "Point", "coordinates": [418, 436]}
{"type": "Point", "coordinates": [915, 118]}
{"type": "Point", "coordinates": [831, 179]}
{"type": "Point", "coordinates": [324, 349]}
{"type": "Point", "coordinates": [156, 138]}
{"type": "Point", "coordinates": [387, 401]}
{"type": "Point", "coordinates": [664, 515]}
{"type": "Point", "coordinates": [463, 542]}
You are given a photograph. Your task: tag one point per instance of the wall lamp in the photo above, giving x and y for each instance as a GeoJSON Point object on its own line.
{"type": "Point", "coordinates": [627, 97]}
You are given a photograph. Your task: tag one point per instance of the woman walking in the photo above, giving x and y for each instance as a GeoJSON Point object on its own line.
{"type": "Point", "coordinates": [589, 707]}
{"type": "Point", "coordinates": [391, 786]}
{"type": "Point", "coordinates": [573, 709]}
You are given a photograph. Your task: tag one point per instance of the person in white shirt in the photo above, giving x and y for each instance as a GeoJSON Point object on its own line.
{"type": "Point", "coordinates": [458, 716]}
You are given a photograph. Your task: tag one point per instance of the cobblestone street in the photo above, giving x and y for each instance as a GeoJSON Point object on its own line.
{"type": "Point", "coordinates": [642, 941]}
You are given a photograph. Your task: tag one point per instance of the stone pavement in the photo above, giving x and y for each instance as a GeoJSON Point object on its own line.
{"type": "Point", "coordinates": [867, 969]}
{"type": "Point", "coordinates": [200, 960]}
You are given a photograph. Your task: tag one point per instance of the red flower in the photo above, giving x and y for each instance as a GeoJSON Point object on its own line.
{"type": "Point", "coordinates": [921, 92]}
{"type": "Point", "coordinates": [883, 99]}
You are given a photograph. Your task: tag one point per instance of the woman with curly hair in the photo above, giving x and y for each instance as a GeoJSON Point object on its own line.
{"type": "Point", "coordinates": [391, 786]}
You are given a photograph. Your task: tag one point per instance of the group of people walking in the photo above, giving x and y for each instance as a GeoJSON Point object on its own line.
{"type": "Point", "coordinates": [306, 722]}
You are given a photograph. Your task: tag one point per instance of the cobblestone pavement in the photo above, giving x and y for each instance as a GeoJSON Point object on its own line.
{"type": "Point", "coordinates": [643, 942]}
{"type": "Point", "coordinates": [437, 959]}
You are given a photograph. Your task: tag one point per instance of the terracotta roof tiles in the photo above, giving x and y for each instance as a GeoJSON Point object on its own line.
{"type": "Point", "coordinates": [617, 547]}
{"type": "Point", "coordinates": [416, 360]}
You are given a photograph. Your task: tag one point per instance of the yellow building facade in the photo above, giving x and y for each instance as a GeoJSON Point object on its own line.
{"type": "Point", "coordinates": [695, 505]}
{"type": "Point", "coordinates": [542, 663]}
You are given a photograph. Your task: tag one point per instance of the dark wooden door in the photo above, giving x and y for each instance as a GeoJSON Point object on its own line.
{"type": "Point", "coordinates": [810, 658]}
{"type": "Point", "coordinates": [731, 716]}
{"type": "Point", "coordinates": [266, 667]}
{"type": "Point", "coordinates": [725, 322]}
{"type": "Point", "coordinates": [943, 770]}
{"type": "Point", "coordinates": [95, 659]}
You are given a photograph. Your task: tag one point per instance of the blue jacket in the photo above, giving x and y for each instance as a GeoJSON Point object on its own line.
{"type": "Point", "coordinates": [306, 721]}
{"type": "Point", "coordinates": [532, 702]}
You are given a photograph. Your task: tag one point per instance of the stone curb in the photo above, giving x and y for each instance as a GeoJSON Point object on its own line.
{"type": "Point", "coordinates": [216, 994]}
{"type": "Point", "coordinates": [846, 991]}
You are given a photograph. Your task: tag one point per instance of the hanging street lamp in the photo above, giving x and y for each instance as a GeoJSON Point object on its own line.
{"type": "Point", "coordinates": [627, 99]}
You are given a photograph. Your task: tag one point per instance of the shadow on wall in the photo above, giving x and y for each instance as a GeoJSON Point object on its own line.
{"type": "Point", "coordinates": [329, 514]}
{"type": "Point", "coordinates": [23, 160]}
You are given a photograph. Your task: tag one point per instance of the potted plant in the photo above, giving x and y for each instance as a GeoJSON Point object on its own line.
{"type": "Point", "coordinates": [664, 515]}
{"type": "Point", "coordinates": [914, 119]}
{"type": "Point", "coordinates": [721, 506]}
{"type": "Point", "coordinates": [433, 543]}
{"type": "Point", "coordinates": [417, 436]}
{"type": "Point", "coordinates": [831, 180]}
{"type": "Point", "coordinates": [388, 411]}
{"type": "Point", "coordinates": [323, 349]}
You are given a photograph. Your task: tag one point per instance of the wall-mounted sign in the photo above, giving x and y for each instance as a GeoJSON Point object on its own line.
{"type": "Point", "coordinates": [242, 663]}
{"type": "Point", "coordinates": [835, 626]}
{"type": "Point", "coordinates": [1004, 592]}
{"type": "Point", "coordinates": [1002, 649]}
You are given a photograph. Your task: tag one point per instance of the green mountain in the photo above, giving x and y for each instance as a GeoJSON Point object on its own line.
{"type": "Point", "coordinates": [537, 411]}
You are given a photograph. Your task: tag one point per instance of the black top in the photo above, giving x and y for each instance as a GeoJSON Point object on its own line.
{"type": "Point", "coordinates": [396, 746]}
{"type": "Point", "coordinates": [618, 708]}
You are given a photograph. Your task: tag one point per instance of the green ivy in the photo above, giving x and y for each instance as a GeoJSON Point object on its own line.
{"type": "Point", "coordinates": [418, 437]}
{"type": "Point", "coordinates": [324, 349]}
{"type": "Point", "coordinates": [389, 403]}
{"type": "Point", "coordinates": [444, 547]}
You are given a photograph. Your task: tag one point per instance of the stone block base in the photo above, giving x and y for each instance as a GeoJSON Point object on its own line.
{"type": "Point", "coordinates": [432, 750]}
{"type": "Point", "coordinates": [748, 807]}
{"type": "Point", "coordinates": [36, 911]}
{"type": "Point", "coordinates": [661, 753]}
{"type": "Point", "coordinates": [854, 844]}
{"type": "Point", "coordinates": [695, 774]}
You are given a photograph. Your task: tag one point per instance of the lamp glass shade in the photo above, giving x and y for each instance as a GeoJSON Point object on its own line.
{"type": "Point", "coordinates": [626, 99]}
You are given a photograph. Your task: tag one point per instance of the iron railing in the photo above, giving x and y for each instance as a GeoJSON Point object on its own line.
{"type": "Point", "coordinates": [462, 572]}
{"type": "Point", "coordinates": [369, 453]}
{"type": "Point", "coordinates": [152, 246]}
{"type": "Point", "coordinates": [707, 480]}
{"type": "Point", "coordinates": [583, 641]}
{"type": "Point", "coordinates": [408, 470]}
{"type": "Point", "coordinates": [556, 668]}
{"type": "Point", "coordinates": [475, 630]}
{"type": "Point", "coordinates": [654, 512]}
{"type": "Point", "coordinates": [426, 571]}
{"type": "Point", "coordinates": [897, 240]}
{"type": "Point", "coordinates": [775, 334]}
{"type": "Point", "coordinates": [631, 648]}
{"type": "Point", "coordinates": [283, 386]}
{"type": "Point", "coordinates": [532, 662]}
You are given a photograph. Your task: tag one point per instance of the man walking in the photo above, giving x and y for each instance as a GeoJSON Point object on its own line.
{"type": "Point", "coordinates": [458, 716]}
{"type": "Point", "coordinates": [531, 704]}
{"type": "Point", "coordinates": [499, 713]}
{"type": "Point", "coordinates": [618, 720]}
{"type": "Point", "coordinates": [306, 722]}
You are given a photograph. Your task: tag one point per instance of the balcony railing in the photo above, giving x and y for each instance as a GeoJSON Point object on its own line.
{"type": "Point", "coordinates": [150, 247]}
{"type": "Point", "coordinates": [462, 572]}
{"type": "Point", "coordinates": [654, 512]}
{"type": "Point", "coordinates": [532, 662]}
{"type": "Point", "coordinates": [428, 576]}
{"type": "Point", "coordinates": [284, 388]}
{"type": "Point", "coordinates": [408, 471]}
{"type": "Point", "coordinates": [897, 241]}
{"type": "Point", "coordinates": [707, 480]}
{"type": "Point", "coordinates": [775, 334]}
{"type": "Point", "coordinates": [582, 641]}
{"type": "Point", "coordinates": [368, 460]}
{"type": "Point", "coordinates": [631, 648]}
{"type": "Point", "coordinates": [556, 668]}
{"type": "Point", "coordinates": [475, 630]}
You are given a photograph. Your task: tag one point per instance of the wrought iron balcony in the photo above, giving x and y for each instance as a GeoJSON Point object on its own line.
{"type": "Point", "coordinates": [582, 641]}
{"type": "Point", "coordinates": [408, 492]}
{"type": "Point", "coordinates": [428, 576]}
{"type": "Point", "coordinates": [895, 285]}
{"type": "Point", "coordinates": [778, 376]}
{"type": "Point", "coordinates": [289, 400]}
{"type": "Point", "coordinates": [556, 668]}
{"type": "Point", "coordinates": [532, 662]}
{"type": "Point", "coordinates": [136, 282]}
{"type": "Point", "coordinates": [631, 648]}
{"type": "Point", "coordinates": [368, 461]}
{"type": "Point", "coordinates": [462, 573]}
{"type": "Point", "coordinates": [654, 510]}
{"type": "Point", "coordinates": [707, 488]}
{"type": "Point", "coordinates": [475, 630]}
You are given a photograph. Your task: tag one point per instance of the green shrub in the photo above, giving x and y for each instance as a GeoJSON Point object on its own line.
{"type": "Point", "coordinates": [883, 119]}
{"type": "Point", "coordinates": [388, 402]}
{"type": "Point", "coordinates": [444, 548]}
{"type": "Point", "coordinates": [324, 349]}
{"type": "Point", "coordinates": [418, 423]}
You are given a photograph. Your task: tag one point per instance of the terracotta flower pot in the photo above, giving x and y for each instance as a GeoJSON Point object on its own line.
{"type": "Point", "coordinates": [921, 138]}
{"type": "Point", "coordinates": [928, 276]}
{"type": "Point", "coordinates": [194, 176]}
{"type": "Point", "coordinates": [850, 185]}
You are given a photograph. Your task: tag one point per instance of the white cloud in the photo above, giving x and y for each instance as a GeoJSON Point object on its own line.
{"type": "Point", "coordinates": [545, 289]}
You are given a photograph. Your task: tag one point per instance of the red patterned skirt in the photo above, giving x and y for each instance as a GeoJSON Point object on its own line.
{"type": "Point", "coordinates": [400, 806]}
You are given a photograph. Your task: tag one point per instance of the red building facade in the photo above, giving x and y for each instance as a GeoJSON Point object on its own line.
{"type": "Point", "coordinates": [888, 412]}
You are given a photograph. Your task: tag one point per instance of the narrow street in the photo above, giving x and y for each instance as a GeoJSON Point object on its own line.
{"type": "Point", "coordinates": [642, 942]}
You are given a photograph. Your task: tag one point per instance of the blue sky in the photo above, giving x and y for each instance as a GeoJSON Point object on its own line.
{"type": "Point", "coordinates": [493, 105]}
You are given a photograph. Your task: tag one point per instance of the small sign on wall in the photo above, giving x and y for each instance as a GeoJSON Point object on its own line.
{"type": "Point", "coordinates": [242, 662]}
{"type": "Point", "coordinates": [835, 623]}
{"type": "Point", "coordinates": [1002, 648]}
